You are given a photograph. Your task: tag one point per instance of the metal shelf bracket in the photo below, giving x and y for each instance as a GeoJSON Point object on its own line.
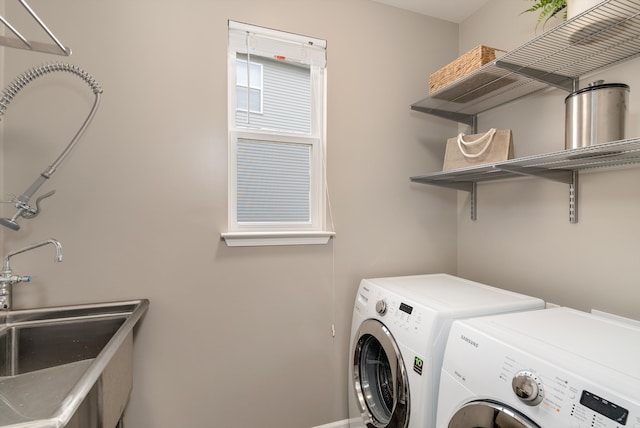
{"type": "Point", "coordinates": [566, 83]}
{"type": "Point", "coordinates": [466, 186]}
{"type": "Point", "coordinates": [467, 119]}
{"type": "Point", "coordinates": [559, 175]}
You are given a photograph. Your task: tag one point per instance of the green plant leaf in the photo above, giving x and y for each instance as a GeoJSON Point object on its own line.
{"type": "Point", "coordinates": [547, 9]}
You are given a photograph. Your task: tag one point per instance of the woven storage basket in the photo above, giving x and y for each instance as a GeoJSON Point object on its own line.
{"type": "Point", "coordinates": [467, 63]}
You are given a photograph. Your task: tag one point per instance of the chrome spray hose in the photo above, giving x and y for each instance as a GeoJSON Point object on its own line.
{"type": "Point", "coordinates": [24, 210]}
{"type": "Point", "coordinates": [30, 75]}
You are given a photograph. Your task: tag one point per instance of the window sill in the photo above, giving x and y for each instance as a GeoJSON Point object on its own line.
{"type": "Point", "coordinates": [258, 239]}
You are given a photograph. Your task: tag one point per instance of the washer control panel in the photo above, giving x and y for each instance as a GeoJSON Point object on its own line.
{"type": "Point", "coordinates": [528, 387]}
{"type": "Point", "coordinates": [381, 307]}
{"type": "Point", "coordinates": [560, 396]}
{"type": "Point", "coordinates": [403, 316]}
{"type": "Point", "coordinates": [406, 317]}
{"type": "Point", "coordinates": [604, 407]}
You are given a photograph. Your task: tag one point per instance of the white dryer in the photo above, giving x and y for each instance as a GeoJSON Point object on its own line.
{"type": "Point", "coordinates": [399, 330]}
{"type": "Point", "coordinates": [556, 368]}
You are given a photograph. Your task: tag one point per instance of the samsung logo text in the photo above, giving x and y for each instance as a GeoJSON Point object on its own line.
{"type": "Point", "coordinates": [469, 341]}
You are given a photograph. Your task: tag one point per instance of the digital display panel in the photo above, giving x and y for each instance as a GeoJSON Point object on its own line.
{"type": "Point", "coordinates": [604, 407]}
{"type": "Point", "coordinates": [406, 308]}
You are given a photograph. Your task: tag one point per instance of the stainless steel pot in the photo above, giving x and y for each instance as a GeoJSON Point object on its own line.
{"type": "Point", "coordinates": [596, 114]}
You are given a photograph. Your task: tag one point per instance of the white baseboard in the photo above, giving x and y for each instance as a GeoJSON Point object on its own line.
{"type": "Point", "coordinates": [338, 424]}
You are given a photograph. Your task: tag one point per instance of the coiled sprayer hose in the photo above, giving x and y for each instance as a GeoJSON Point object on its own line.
{"type": "Point", "coordinates": [24, 210]}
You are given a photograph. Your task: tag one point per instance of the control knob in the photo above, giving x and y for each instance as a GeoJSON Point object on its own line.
{"type": "Point", "coordinates": [528, 387]}
{"type": "Point", "coordinates": [381, 307]}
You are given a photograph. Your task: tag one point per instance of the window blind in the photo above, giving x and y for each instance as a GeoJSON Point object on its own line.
{"type": "Point", "coordinates": [273, 182]}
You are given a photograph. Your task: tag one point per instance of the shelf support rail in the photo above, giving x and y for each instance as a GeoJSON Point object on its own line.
{"type": "Point", "coordinates": [21, 42]}
{"type": "Point", "coordinates": [474, 201]}
{"type": "Point", "coordinates": [559, 175]}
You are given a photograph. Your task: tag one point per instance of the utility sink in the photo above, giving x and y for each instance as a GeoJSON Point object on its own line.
{"type": "Point", "coordinates": [67, 366]}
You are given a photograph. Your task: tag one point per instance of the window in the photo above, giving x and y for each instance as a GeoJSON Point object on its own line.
{"type": "Point", "coordinates": [248, 94]}
{"type": "Point", "coordinates": [276, 137]}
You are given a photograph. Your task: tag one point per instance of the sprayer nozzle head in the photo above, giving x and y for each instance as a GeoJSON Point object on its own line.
{"type": "Point", "coordinates": [11, 224]}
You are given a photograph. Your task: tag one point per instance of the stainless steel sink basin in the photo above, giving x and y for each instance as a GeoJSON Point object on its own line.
{"type": "Point", "coordinates": [67, 366]}
{"type": "Point", "coordinates": [35, 345]}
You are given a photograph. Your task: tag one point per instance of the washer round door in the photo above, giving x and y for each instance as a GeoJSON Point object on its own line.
{"type": "Point", "coordinates": [488, 414]}
{"type": "Point", "coordinates": [379, 377]}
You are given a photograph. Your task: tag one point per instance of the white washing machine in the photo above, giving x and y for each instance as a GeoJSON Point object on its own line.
{"type": "Point", "coordinates": [398, 333]}
{"type": "Point", "coordinates": [556, 368]}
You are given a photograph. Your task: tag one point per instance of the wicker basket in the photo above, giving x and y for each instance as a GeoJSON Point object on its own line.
{"type": "Point", "coordinates": [467, 63]}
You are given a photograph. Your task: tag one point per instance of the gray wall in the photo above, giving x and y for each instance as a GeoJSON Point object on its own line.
{"type": "Point", "coordinates": [522, 239]}
{"type": "Point", "coordinates": [235, 337]}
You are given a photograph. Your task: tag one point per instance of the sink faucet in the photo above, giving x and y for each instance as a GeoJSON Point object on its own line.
{"type": "Point", "coordinates": [7, 279]}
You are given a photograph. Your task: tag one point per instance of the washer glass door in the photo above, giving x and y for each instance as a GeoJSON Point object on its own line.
{"type": "Point", "coordinates": [380, 378]}
{"type": "Point", "coordinates": [488, 414]}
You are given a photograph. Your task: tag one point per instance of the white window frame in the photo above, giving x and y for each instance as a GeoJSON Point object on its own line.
{"type": "Point", "coordinates": [280, 233]}
{"type": "Point", "coordinates": [261, 88]}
